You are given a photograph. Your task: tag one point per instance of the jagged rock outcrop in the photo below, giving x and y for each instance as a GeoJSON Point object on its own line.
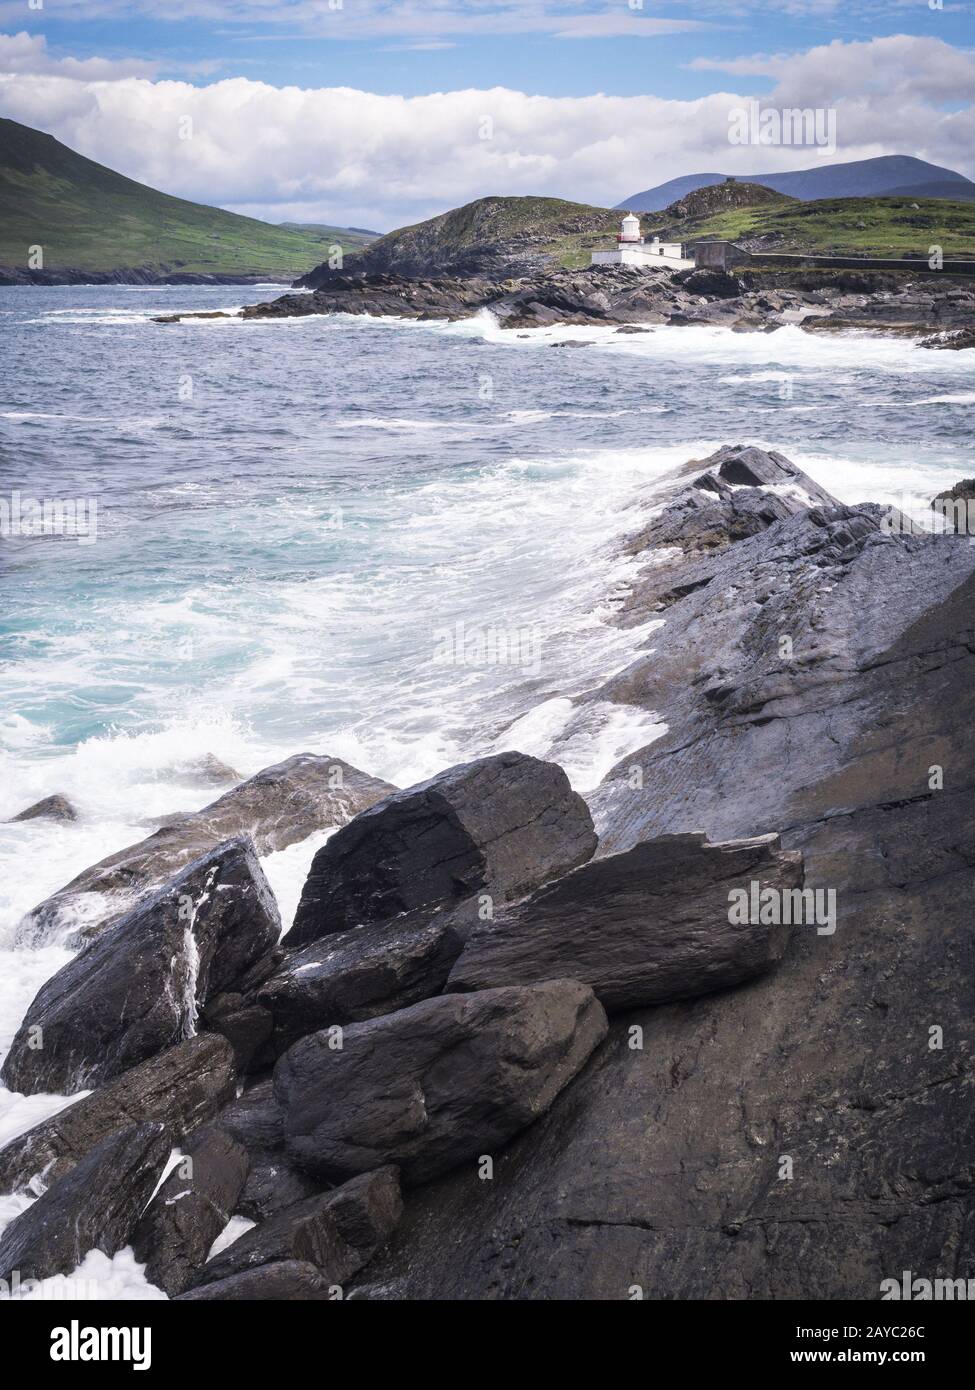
{"type": "Point", "coordinates": [139, 986]}
{"type": "Point", "coordinates": [337, 1232]}
{"type": "Point", "coordinates": [437, 1084]}
{"type": "Point", "coordinates": [194, 1204]}
{"type": "Point", "coordinates": [809, 1133]}
{"type": "Point", "coordinates": [276, 808]}
{"type": "Point", "coordinates": [651, 925]}
{"type": "Point", "coordinates": [95, 1207]}
{"type": "Point", "coordinates": [502, 825]}
{"type": "Point", "coordinates": [180, 1088]}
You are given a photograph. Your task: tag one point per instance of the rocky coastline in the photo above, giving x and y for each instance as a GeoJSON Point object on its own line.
{"type": "Point", "coordinates": [524, 1045]}
{"type": "Point", "coordinates": [637, 299]}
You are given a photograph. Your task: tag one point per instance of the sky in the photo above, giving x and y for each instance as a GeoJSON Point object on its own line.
{"type": "Point", "coordinates": [378, 113]}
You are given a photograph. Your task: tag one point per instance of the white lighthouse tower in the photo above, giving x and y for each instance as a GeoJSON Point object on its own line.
{"type": "Point", "coordinates": [630, 234]}
{"type": "Point", "coordinates": [631, 249]}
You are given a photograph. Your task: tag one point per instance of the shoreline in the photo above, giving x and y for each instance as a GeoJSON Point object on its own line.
{"type": "Point", "coordinates": [638, 301]}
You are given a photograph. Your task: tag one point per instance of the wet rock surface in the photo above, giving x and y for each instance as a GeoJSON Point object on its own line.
{"type": "Point", "coordinates": [351, 976]}
{"type": "Point", "coordinates": [180, 1088]}
{"type": "Point", "coordinates": [95, 1207]}
{"type": "Point", "coordinates": [647, 926]}
{"type": "Point", "coordinates": [436, 1084]}
{"type": "Point", "coordinates": [138, 987]}
{"type": "Point", "coordinates": [501, 825]}
{"type": "Point", "coordinates": [337, 1232]}
{"type": "Point", "coordinates": [276, 808]}
{"type": "Point", "coordinates": [191, 1208]}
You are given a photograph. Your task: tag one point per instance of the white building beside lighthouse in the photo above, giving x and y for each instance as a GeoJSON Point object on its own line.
{"type": "Point", "coordinates": [631, 249]}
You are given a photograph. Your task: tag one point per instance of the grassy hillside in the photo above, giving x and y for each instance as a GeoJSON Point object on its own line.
{"type": "Point", "coordinates": [492, 233]}
{"type": "Point", "coordinates": [864, 226]}
{"type": "Point", "coordinates": [88, 218]}
{"type": "Point", "coordinates": [347, 237]}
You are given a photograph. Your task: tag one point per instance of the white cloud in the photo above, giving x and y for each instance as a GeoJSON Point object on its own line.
{"type": "Point", "coordinates": [341, 155]}
{"type": "Point", "coordinates": [27, 53]}
{"type": "Point", "coordinates": [901, 64]}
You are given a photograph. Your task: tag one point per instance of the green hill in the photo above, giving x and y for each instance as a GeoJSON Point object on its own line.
{"type": "Point", "coordinates": [88, 218]}
{"type": "Point", "coordinates": [492, 236]}
{"type": "Point", "coordinates": [859, 226]}
{"type": "Point", "coordinates": [324, 231]}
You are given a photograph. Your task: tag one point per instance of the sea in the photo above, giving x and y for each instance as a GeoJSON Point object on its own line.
{"type": "Point", "coordinates": [394, 542]}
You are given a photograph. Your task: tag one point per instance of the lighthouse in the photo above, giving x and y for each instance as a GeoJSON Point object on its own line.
{"type": "Point", "coordinates": [631, 249]}
{"type": "Point", "coordinates": [630, 234]}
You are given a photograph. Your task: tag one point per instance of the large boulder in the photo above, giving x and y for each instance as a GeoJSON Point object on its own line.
{"type": "Point", "coordinates": [656, 923]}
{"type": "Point", "coordinates": [276, 808]}
{"type": "Point", "coordinates": [338, 1232]}
{"type": "Point", "coordinates": [181, 1088]}
{"type": "Point", "coordinates": [95, 1207]}
{"type": "Point", "coordinates": [139, 987]}
{"type": "Point", "coordinates": [436, 1084]}
{"type": "Point", "coordinates": [355, 975]}
{"type": "Point", "coordinates": [189, 1211]}
{"type": "Point", "coordinates": [500, 826]}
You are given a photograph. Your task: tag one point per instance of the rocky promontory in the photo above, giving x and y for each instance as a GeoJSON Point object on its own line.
{"type": "Point", "coordinates": [626, 295]}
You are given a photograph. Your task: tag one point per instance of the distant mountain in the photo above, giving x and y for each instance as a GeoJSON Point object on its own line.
{"type": "Point", "coordinates": [863, 178]}
{"type": "Point", "coordinates": [93, 223]}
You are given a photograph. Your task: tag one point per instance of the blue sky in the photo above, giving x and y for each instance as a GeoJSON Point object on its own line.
{"type": "Point", "coordinates": [370, 112]}
{"type": "Point", "coordinates": [385, 46]}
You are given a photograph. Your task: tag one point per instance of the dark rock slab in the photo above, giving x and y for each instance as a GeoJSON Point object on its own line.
{"type": "Point", "coordinates": [502, 825]}
{"type": "Point", "coordinates": [351, 976]}
{"type": "Point", "coordinates": [245, 1024]}
{"type": "Point", "coordinates": [273, 1184]}
{"type": "Point", "coordinates": [437, 1084]}
{"type": "Point", "coordinates": [284, 1281]}
{"type": "Point", "coordinates": [643, 927]}
{"type": "Point", "coordinates": [189, 1211]}
{"type": "Point", "coordinates": [337, 1232]}
{"type": "Point", "coordinates": [138, 987]}
{"type": "Point", "coordinates": [51, 808]}
{"type": "Point", "coordinates": [255, 1119]}
{"type": "Point", "coordinates": [181, 1088]}
{"type": "Point", "coordinates": [95, 1207]}
{"type": "Point", "coordinates": [276, 808]}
